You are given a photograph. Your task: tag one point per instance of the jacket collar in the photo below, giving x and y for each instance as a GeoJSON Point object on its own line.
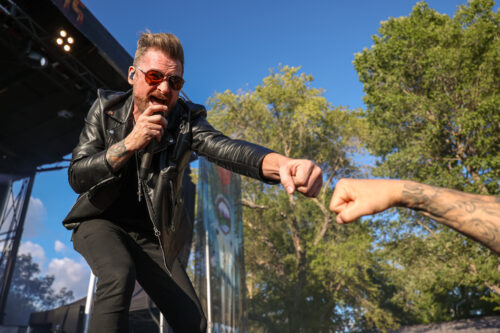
{"type": "Point", "coordinates": [116, 105]}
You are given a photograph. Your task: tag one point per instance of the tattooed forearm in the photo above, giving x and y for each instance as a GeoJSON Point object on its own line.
{"type": "Point", "coordinates": [476, 216]}
{"type": "Point", "coordinates": [117, 155]}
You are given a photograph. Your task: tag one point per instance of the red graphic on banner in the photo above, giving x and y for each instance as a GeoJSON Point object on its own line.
{"type": "Point", "coordinates": [75, 5]}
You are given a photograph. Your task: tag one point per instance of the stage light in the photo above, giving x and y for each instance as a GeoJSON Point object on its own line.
{"type": "Point", "coordinates": [43, 62]}
{"type": "Point", "coordinates": [36, 59]}
{"type": "Point", "coordinates": [64, 40]}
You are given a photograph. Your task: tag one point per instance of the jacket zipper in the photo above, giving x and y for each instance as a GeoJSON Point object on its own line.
{"type": "Point", "coordinates": [149, 205]}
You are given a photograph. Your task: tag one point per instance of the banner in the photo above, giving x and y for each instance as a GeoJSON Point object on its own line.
{"type": "Point", "coordinates": [218, 257]}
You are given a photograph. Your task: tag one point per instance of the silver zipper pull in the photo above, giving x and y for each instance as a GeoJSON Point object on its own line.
{"type": "Point", "coordinates": [139, 184]}
{"type": "Point", "coordinates": [139, 190]}
{"type": "Point", "coordinates": [157, 232]}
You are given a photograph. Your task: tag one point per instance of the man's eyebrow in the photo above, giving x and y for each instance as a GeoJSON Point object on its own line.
{"type": "Point", "coordinates": [154, 69]}
{"type": "Point", "coordinates": [165, 73]}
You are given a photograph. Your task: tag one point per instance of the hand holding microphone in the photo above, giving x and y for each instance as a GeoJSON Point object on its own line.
{"type": "Point", "coordinates": [149, 125]}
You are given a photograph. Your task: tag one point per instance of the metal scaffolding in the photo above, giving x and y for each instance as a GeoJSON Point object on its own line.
{"type": "Point", "coordinates": [13, 214]}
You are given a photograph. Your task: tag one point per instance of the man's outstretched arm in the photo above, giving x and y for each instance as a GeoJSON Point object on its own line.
{"type": "Point", "coordinates": [476, 216]}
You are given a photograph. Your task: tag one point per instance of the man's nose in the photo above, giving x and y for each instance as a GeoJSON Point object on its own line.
{"type": "Point", "coordinates": [163, 87]}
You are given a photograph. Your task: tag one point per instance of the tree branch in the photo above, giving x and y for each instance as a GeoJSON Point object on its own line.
{"type": "Point", "coordinates": [278, 266]}
{"type": "Point", "coordinates": [253, 205]}
{"type": "Point", "coordinates": [326, 222]}
{"type": "Point", "coordinates": [491, 286]}
{"type": "Point", "coordinates": [425, 227]}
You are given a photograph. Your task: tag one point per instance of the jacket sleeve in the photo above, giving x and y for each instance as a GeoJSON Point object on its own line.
{"type": "Point", "coordinates": [235, 155]}
{"type": "Point", "coordinates": [88, 165]}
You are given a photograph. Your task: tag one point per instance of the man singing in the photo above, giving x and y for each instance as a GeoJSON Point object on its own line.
{"type": "Point", "coordinates": [129, 221]}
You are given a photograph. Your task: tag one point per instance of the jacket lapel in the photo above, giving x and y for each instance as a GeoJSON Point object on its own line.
{"type": "Point", "coordinates": [118, 123]}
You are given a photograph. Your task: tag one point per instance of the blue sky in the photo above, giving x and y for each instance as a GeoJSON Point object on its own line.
{"type": "Point", "coordinates": [228, 45]}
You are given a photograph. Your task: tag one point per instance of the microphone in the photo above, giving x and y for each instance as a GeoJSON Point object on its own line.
{"type": "Point", "coordinates": [147, 157]}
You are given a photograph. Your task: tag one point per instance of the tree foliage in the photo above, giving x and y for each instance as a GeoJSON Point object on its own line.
{"type": "Point", "coordinates": [31, 292]}
{"type": "Point", "coordinates": [432, 99]}
{"type": "Point", "coordinates": [432, 92]}
{"type": "Point", "coordinates": [303, 272]}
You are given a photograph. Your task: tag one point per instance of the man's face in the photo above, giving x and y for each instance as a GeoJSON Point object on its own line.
{"type": "Point", "coordinates": [146, 95]}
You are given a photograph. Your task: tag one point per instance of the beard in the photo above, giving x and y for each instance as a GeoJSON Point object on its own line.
{"type": "Point", "coordinates": [141, 103]}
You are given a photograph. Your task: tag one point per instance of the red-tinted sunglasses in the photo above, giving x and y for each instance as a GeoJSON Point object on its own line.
{"type": "Point", "coordinates": [154, 77]}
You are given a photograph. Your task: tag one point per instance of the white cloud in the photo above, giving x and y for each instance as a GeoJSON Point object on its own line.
{"type": "Point", "coordinates": [35, 218]}
{"type": "Point", "coordinates": [70, 274]}
{"type": "Point", "coordinates": [37, 252]}
{"type": "Point", "coordinates": [60, 246]}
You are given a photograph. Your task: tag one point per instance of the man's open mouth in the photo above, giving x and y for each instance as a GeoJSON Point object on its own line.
{"type": "Point", "coordinates": [157, 101]}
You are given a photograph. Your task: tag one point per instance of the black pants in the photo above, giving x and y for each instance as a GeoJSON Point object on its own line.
{"type": "Point", "coordinates": [118, 258]}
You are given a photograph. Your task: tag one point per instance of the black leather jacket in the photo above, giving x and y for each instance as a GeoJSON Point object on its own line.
{"type": "Point", "coordinates": [110, 121]}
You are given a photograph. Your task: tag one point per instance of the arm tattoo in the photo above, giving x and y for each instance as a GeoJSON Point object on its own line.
{"type": "Point", "coordinates": [117, 155]}
{"type": "Point", "coordinates": [476, 216]}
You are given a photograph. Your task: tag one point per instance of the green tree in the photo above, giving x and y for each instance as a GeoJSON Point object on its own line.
{"type": "Point", "coordinates": [31, 292]}
{"type": "Point", "coordinates": [432, 91]}
{"type": "Point", "coordinates": [304, 274]}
